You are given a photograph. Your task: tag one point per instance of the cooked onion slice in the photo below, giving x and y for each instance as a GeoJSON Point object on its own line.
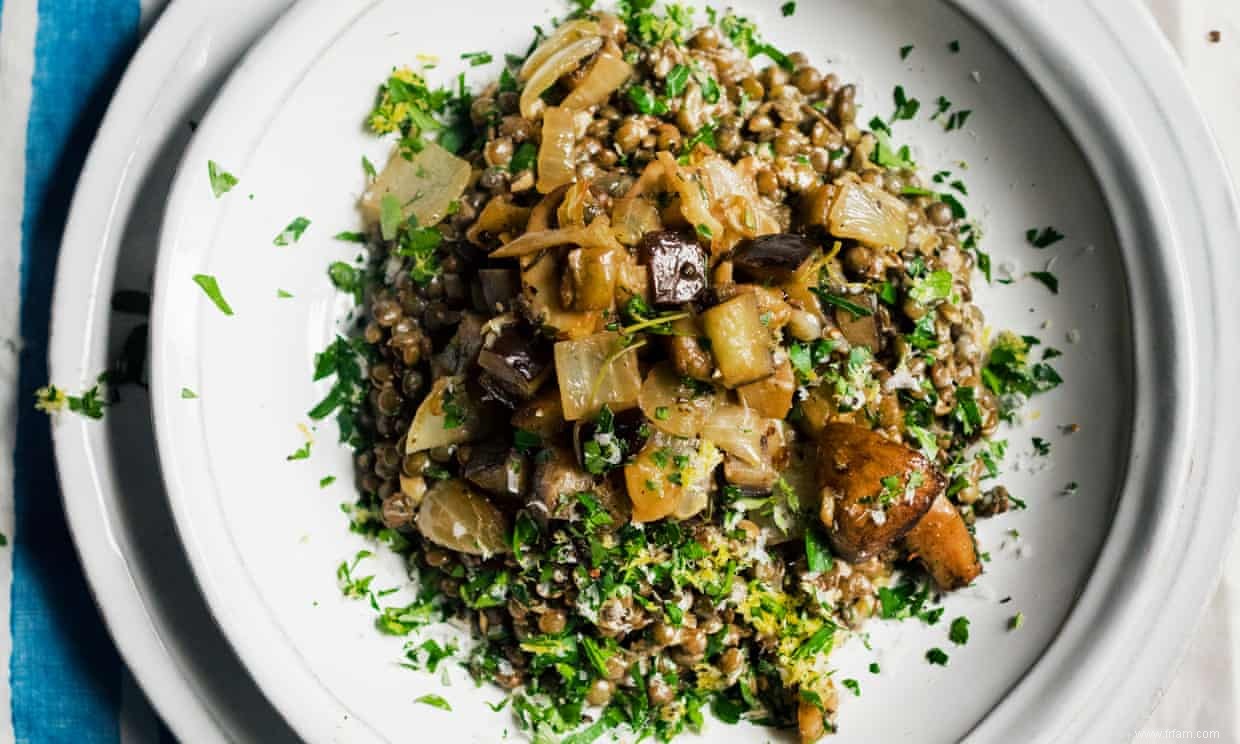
{"type": "Point", "coordinates": [606, 75]}
{"type": "Point", "coordinates": [555, 67]}
{"type": "Point", "coordinates": [869, 215]}
{"type": "Point", "coordinates": [564, 35]}
{"type": "Point", "coordinates": [425, 186]}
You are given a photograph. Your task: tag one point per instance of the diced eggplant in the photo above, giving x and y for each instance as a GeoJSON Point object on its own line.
{"type": "Point", "coordinates": [519, 360]}
{"type": "Point", "coordinates": [677, 266]}
{"type": "Point", "coordinates": [500, 287]}
{"type": "Point", "coordinates": [941, 541]}
{"type": "Point", "coordinates": [772, 257]}
{"type": "Point", "coordinates": [739, 341]}
{"type": "Point", "coordinates": [461, 351]}
{"type": "Point", "coordinates": [496, 468]}
{"type": "Point", "coordinates": [873, 490]}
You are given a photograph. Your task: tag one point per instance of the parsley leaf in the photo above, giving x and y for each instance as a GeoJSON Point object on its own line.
{"type": "Point", "coordinates": [435, 701]}
{"type": "Point", "coordinates": [906, 108]}
{"type": "Point", "coordinates": [676, 80]}
{"type": "Point", "coordinates": [817, 551]}
{"type": "Point", "coordinates": [221, 180]}
{"type": "Point", "coordinates": [1048, 236]}
{"type": "Point", "coordinates": [959, 632]}
{"type": "Point", "coordinates": [477, 59]}
{"type": "Point", "coordinates": [212, 289]}
{"type": "Point", "coordinates": [1048, 279]}
{"type": "Point", "coordinates": [292, 233]}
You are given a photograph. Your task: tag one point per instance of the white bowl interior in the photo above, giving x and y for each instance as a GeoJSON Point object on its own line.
{"type": "Point", "coordinates": [265, 539]}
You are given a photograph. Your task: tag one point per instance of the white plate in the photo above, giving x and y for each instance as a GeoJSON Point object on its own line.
{"type": "Point", "coordinates": [113, 494]}
{"type": "Point", "coordinates": [264, 541]}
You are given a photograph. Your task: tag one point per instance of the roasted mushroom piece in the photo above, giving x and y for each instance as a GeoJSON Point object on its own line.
{"type": "Point", "coordinates": [873, 490]}
{"type": "Point", "coordinates": [941, 541]}
{"type": "Point", "coordinates": [677, 265]}
{"type": "Point", "coordinates": [498, 469]}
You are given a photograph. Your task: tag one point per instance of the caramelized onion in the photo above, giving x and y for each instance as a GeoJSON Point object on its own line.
{"type": "Point", "coordinates": [868, 214]}
{"type": "Point", "coordinates": [597, 235]}
{"type": "Point", "coordinates": [566, 34]}
{"type": "Point", "coordinates": [555, 154]}
{"type": "Point", "coordinates": [674, 407]}
{"type": "Point", "coordinates": [608, 73]}
{"type": "Point", "coordinates": [556, 66]}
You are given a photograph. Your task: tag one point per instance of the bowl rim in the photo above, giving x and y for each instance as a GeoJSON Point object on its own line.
{"type": "Point", "coordinates": [1113, 611]}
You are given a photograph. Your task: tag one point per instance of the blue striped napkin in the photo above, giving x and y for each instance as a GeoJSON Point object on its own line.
{"type": "Point", "coordinates": [66, 678]}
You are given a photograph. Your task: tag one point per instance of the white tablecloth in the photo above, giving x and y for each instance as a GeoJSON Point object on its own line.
{"type": "Point", "coordinates": [1200, 701]}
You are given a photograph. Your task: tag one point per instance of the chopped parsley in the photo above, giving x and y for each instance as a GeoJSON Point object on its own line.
{"type": "Point", "coordinates": [818, 556]}
{"type": "Point", "coordinates": [350, 237]}
{"type": "Point", "coordinates": [874, 668]}
{"type": "Point", "coordinates": [705, 232]}
{"type": "Point", "coordinates": [477, 59]}
{"type": "Point", "coordinates": [283, 294]}
{"type": "Point", "coordinates": [885, 153]}
{"type": "Point", "coordinates": [676, 80]}
{"type": "Point", "coordinates": [935, 286]}
{"type": "Point", "coordinates": [1044, 238]}
{"type": "Point", "coordinates": [853, 686]}
{"type": "Point", "coordinates": [346, 278]}
{"type": "Point", "coordinates": [906, 108]}
{"type": "Point", "coordinates": [953, 46]}
{"type": "Point", "coordinates": [90, 403]}
{"type": "Point", "coordinates": [524, 158]}
{"type": "Point", "coordinates": [957, 119]}
{"type": "Point", "coordinates": [936, 656]}
{"type": "Point", "coordinates": [827, 298]}
{"type": "Point", "coordinates": [326, 481]}
{"type": "Point", "coordinates": [212, 289]}
{"type": "Point", "coordinates": [435, 701]}
{"type": "Point", "coordinates": [645, 102]}
{"type": "Point", "coordinates": [959, 631]}
{"type": "Point", "coordinates": [407, 106]}
{"type": "Point", "coordinates": [1049, 280]}
{"type": "Point", "coordinates": [369, 168]}
{"type": "Point", "coordinates": [1008, 371]}
{"type": "Point", "coordinates": [187, 394]}
{"type": "Point", "coordinates": [788, 9]}
{"type": "Point", "coordinates": [1016, 621]}
{"type": "Point", "coordinates": [293, 231]}
{"type": "Point", "coordinates": [603, 451]}
{"type": "Point", "coordinates": [351, 586]}
{"type": "Point", "coordinates": [1041, 447]}
{"type": "Point", "coordinates": [301, 453]}
{"type": "Point", "coordinates": [905, 51]}
{"type": "Point", "coordinates": [221, 180]}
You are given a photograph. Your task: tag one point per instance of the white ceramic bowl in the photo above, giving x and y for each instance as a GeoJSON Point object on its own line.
{"type": "Point", "coordinates": [264, 540]}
